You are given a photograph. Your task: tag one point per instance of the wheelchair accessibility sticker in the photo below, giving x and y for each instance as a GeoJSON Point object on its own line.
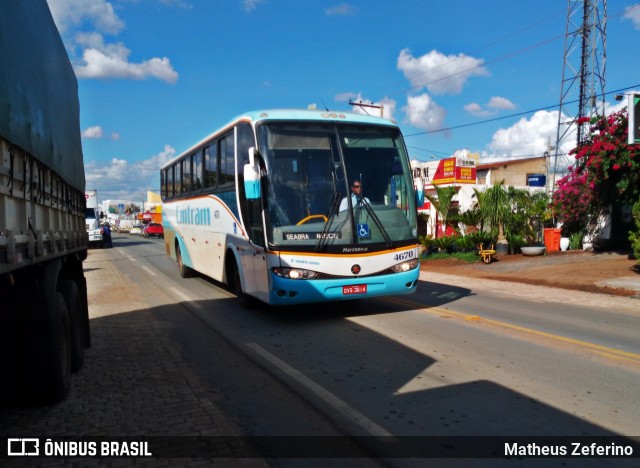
{"type": "Point", "coordinates": [363, 231]}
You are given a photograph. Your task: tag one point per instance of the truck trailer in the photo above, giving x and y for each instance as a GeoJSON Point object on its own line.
{"type": "Point", "coordinates": [44, 319]}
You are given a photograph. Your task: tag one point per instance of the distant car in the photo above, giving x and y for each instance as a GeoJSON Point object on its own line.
{"type": "Point", "coordinates": [136, 229]}
{"type": "Point", "coordinates": [154, 230]}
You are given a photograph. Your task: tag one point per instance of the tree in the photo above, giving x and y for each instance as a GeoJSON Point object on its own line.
{"type": "Point", "coordinates": [495, 208]}
{"type": "Point", "coordinates": [606, 171]}
{"type": "Point", "coordinates": [442, 202]}
{"type": "Point", "coordinates": [527, 214]}
{"type": "Point", "coordinates": [471, 218]}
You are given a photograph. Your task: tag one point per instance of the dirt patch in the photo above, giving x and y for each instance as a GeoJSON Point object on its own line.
{"type": "Point", "coordinates": [578, 270]}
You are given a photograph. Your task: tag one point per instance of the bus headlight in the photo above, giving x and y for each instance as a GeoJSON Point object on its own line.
{"type": "Point", "coordinates": [294, 273]}
{"type": "Point", "coordinates": [405, 266]}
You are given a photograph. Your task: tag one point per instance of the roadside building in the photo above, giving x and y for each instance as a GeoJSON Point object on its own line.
{"type": "Point", "coordinates": [466, 172]}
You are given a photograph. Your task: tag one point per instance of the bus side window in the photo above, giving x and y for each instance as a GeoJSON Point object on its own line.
{"type": "Point", "coordinates": [169, 182]}
{"type": "Point", "coordinates": [227, 167]}
{"type": "Point", "coordinates": [211, 166]}
{"type": "Point", "coordinates": [177, 182]}
{"type": "Point", "coordinates": [186, 175]}
{"type": "Point", "coordinates": [163, 184]}
{"type": "Point", "coordinates": [196, 165]}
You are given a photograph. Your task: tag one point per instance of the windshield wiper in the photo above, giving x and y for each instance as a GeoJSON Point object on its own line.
{"type": "Point", "coordinates": [376, 220]}
{"type": "Point", "coordinates": [335, 204]}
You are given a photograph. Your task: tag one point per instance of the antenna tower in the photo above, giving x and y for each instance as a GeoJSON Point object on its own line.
{"type": "Point", "coordinates": [583, 74]}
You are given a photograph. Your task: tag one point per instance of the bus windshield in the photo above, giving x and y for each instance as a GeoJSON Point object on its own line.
{"type": "Point", "coordinates": [336, 186]}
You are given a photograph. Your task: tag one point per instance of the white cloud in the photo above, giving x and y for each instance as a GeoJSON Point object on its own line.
{"type": "Point", "coordinates": [529, 137]}
{"type": "Point", "coordinates": [497, 102]}
{"type": "Point", "coordinates": [70, 14]}
{"type": "Point", "coordinates": [423, 112]}
{"type": "Point", "coordinates": [115, 179]}
{"type": "Point", "coordinates": [633, 13]}
{"type": "Point", "coordinates": [476, 109]}
{"type": "Point", "coordinates": [533, 137]}
{"type": "Point", "coordinates": [93, 132]}
{"type": "Point", "coordinates": [439, 73]}
{"type": "Point", "coordinates": [344, 9]}
{"type": "Point", "coordinates": [96, 132]}
{"type": "Point", "coordinates": [99, 59]}
{"type": "Point", "coordinates": [494, 105]}
{"type": "Point", "coordinates": [112, 62]}
{"type": "Point", "coordinates": [250, 5]}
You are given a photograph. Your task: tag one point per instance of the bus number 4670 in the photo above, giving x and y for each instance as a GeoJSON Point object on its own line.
{"type": "Point", "coordinates": [403, 256]}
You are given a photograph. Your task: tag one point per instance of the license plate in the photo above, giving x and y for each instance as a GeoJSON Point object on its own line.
{"type": "Point", "coordinates": [355, 289]}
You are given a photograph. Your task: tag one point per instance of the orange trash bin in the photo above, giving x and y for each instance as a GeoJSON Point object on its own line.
{"type": "Point", "coordinates": [552, 239]}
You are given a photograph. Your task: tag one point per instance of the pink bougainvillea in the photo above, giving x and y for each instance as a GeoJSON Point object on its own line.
{"type": "Point", "coordinates": [606, 171]}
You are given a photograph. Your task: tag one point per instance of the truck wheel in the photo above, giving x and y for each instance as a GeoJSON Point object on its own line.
{"type": "Point", "coordinates": [71, 295]}
{"type": "Point", "coordinates": [47, 360]}
{"type": "Point", "coordinates": [185, 271]}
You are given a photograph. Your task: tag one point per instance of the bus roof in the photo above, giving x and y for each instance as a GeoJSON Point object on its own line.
{"type": "Point", "coordinates": [290, 115]}
{"type": "Point", "coordinates": [313, 114]}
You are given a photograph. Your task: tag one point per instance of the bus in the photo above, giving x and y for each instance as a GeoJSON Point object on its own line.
{"type": "Point", "coordinates": [265, 206]}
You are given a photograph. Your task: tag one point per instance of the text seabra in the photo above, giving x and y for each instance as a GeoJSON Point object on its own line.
{"type": "Point", "coordinates": [91, 449]}
{"type": "Point", "coordinates": [574, 449]}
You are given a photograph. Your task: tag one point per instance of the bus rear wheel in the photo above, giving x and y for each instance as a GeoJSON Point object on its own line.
{"type": "Point", "coordinates": [184, 270]}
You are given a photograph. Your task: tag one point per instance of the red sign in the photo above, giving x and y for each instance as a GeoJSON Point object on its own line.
{"type": "Point", "coordinates": [425, 208]}
{"type": "Point", "coordinates": [455, 171]}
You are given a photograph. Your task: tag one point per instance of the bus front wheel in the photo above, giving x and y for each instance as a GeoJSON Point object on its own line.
{"type": "Point", "coordinates": [235, 285]}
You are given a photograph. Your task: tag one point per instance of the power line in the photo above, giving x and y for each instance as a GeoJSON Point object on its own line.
{"type": "Point", "coordinates": [504, 57]}
{"type": "Point", "coordinates": [509, 116]}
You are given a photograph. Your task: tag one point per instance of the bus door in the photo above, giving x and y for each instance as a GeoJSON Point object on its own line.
{"type": "Point", "coordinates": [252, 253]}
{"type": "Point", "coordinates": [254, 265]}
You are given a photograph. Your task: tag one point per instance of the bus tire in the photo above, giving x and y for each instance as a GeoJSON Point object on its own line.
{"type": "Point", "coordinates": [185, 271]}
{"type": "Point", "coordinates": [72, 297]}
{"type": "Point", "coordinates": [47, 362]}
{"type": "Point", "coordinates": [235, 285]}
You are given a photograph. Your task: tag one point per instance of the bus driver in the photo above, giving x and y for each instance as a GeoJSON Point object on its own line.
{"type": "Point", "coordinates": [356, 196]}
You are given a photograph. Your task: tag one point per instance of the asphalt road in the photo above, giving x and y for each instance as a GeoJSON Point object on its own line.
{"type": "Point", "coordinates": [458, 358]}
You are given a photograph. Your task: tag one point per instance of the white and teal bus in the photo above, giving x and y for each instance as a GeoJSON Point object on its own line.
{"type": "Point", "coordinates": [265, 206]}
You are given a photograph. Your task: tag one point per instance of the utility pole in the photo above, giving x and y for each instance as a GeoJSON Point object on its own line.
{"type": "Point", "coordinates": [583, 74]}
{"type": "Point", "coordinates": [362, 105]}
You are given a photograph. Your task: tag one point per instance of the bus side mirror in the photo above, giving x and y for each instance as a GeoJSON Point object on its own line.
{"type": "Point", "coordinates": [419, 186]}
{"type": "Point", "coordinates": [251, 177]}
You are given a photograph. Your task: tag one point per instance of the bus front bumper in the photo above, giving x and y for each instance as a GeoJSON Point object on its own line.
{"type": "Point", "coordinates": [286, 291]}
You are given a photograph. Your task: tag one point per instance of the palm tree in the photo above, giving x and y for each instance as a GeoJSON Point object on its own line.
{"type": "Point", "coordinates": [495, 208]}
{"type": "Point", "coordinates": [442, 203]}
{"type": "Point", "coordinates": [470, 218]}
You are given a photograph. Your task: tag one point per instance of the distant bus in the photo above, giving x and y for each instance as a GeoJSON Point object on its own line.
{"type": "Point", "coordinates": [264, 206]}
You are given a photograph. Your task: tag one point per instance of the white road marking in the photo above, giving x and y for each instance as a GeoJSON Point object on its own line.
{"type": "Point", "coordinates": [149, 270]}
{"type": "Point", "coordinates": [354, 415]}
{"type": "Point", "coordinates": [184, 297]}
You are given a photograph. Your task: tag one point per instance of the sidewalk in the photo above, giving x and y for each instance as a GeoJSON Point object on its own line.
{"type": "Point", "coordinates": [601, 279]}
{"type": "Point", "coordinates": [135, 381]}
{"type": "Point", "coordinates": [606, 272]}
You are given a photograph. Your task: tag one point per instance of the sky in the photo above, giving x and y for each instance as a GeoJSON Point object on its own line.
{"type": "Point", "coordinates": [157, 76]}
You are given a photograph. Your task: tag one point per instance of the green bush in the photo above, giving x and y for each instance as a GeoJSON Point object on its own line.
{"type": "Point", "coordinates": [575, 240]}
{"type": "Point", "coordinates": [465, 244]}
{"type": "Point", "coordinates": [515, 242]}
{"type": "Point", "coordinates": [484, 238]}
